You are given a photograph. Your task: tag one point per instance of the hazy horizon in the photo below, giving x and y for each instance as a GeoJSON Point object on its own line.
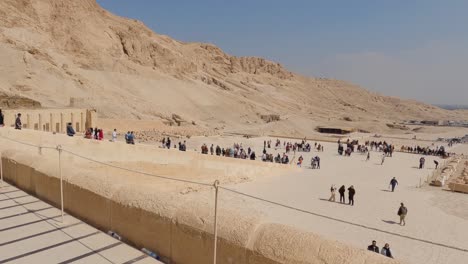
{"type": "Point", "coordinates": [410, 49]}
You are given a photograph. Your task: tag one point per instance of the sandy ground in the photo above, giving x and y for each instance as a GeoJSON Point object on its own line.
{"type": "Point", "coordinates": [434, 215]}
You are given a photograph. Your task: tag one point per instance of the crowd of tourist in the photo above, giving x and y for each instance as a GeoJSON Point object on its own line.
{"type": "Point", "coordinates": [96, 133]}
{"type": "Point", "coordinates": [436, 151]}
{"type": "Point", "coordinates": [240, 152]}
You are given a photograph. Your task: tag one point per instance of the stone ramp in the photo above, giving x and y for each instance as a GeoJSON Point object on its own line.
{"type": "Point", "coordinates": [31, 232]}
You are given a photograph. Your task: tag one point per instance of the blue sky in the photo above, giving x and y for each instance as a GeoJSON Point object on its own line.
{"type": "Point", "coordinates": [412, 49]}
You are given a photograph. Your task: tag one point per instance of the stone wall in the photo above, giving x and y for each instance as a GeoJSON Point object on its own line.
{"type": "Point", "coordinates": [176, 226]}
{"type": "Point", "coordinates": [52, 120]}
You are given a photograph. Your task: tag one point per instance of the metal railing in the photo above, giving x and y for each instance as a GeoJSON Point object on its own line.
{"type": "Point", "coordinates": [216, 187]}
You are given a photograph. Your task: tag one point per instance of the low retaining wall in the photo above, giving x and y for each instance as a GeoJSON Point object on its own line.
{"type": "Point", "coordinates": [177, 227]}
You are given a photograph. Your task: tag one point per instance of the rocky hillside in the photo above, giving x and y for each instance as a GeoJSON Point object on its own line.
{"type": "Point", "coordinates": [55, 50]}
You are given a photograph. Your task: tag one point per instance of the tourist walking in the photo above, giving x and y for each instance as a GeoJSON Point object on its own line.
{"type": "Point", "coordinates": [18, 124]}
{"type": "Point", "coordinates": [114, 135]}
{"type": "Point", "coordinates": [393, 183]}
{"type": "Point", "coordinates": [402, 212]}
{"type": "Point", "coordinates": [131, 138]}
{"type": "Point", "coordinates": [373, 247]}
{"type": "Point", "coordinates": [342, 191]}
{"type": "Point", "coordinates": [368, 156]}
{"type": "Point", "coordinates": [383, 159]}
{"type": "Point", "coordinates": [299, 163]}
{"type": "Point", "coordinates": [168, 143]}
{"type": "Point", "coordinates": [386, 251]}
{"type": "Point", "coordinates": [2, 119]}
{"type": "Point", "coordinates": [351, 193]}
{"type": "Point", "coordinates": [332, 191]}
{"type": "Point", "coordinates": [436, 164]}
{"type": "Point", "coordinates": [70, 130]}
{"type": "Point", "coordinates": [127, 137]}
{"type": "Point", "coordinates": [422, 160]}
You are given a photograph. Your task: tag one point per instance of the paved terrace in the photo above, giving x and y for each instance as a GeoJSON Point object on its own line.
{"type": "Point", "coordinates": [31, 232]}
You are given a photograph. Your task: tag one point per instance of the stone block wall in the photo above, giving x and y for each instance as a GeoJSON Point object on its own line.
{"type": "Point", "coordinates": [51, 120]}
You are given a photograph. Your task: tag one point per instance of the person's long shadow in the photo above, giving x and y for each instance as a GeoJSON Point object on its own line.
{"type": "Point", "coordinates": [385, 190]}
{"type": "Point", "coordinates": [390, 222]}
{"type": "Point", "coordinates": [326, 200]}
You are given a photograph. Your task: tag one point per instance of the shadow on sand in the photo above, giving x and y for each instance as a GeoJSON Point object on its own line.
{"type": "Point", "coordinates": [390, 222]}
{"type": "Point", "coordinates": [326, 200]}
{"type": "Point", "coordinates": [386, 190]}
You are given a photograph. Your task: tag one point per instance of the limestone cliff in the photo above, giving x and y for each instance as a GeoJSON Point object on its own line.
{"type": "Point", "coordinates": [61, 49]}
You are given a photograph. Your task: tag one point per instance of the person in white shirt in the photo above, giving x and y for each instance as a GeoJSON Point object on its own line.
{"type": "Point", "coordinates": [114, 135]}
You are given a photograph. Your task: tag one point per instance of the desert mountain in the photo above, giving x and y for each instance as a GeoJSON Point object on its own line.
{"type": "Point", "coordinates": [55, 50]}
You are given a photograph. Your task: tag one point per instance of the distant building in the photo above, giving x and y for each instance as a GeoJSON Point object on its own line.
{"type": "Point", "coordinates": [335, 130]}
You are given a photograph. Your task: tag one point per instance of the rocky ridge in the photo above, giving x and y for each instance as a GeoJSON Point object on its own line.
{"type": "Point", "coordinates": [76, 49]}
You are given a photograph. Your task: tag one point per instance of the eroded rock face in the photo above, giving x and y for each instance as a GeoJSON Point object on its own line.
{"type": "Point", "coordinates": [15, 101]}
{"type": "Point", "coordinates": [54, 50]}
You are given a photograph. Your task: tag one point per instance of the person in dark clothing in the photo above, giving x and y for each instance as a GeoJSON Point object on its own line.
{"type": "Point", "coordinates": [18, 124]}
{"type": "Point", "coordinates": [386, 251]}
{"type": "Point", "coordinates": [402, 212]}
{"type": "Point", "coordinates": [436, 164]}
{"type": "Point", "coordinates": [70, 130]}
{"type": "Point", "coordinates": [2, 119]}
{"type": "Point", "coordinates": [351, 193]}
{"type": "Point", "coordinates": [342, 191]}
{"type": "Point", "coordinates": [373, 247]}
{"type": "Point", "coordinates": [317, 160]}
{"type": "Point", "coordinates": [422, 160]}
{"type": "Point", "coordinates": [96, 133]}
{"type": "Point", "coordinates": [393, 183]}
{"type": "Point", "coordinates": [168, 143]}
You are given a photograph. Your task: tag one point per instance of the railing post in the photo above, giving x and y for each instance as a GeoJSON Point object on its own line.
{"type": "Point", "coordinates": [215, 248]}
{"type": "Point", "coordinates": [59, 149]}
{"type": "Point", "coordinates": [1, 170]}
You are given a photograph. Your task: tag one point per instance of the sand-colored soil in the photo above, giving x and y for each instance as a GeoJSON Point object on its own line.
{"type": "Point", "coordinates": [434, 214]}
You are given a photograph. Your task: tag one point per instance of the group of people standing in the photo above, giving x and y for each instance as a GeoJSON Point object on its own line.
{"type": "Point", "coordinates": [342, 191]}
{"type": "Point", "coordinates": [130, 138]}
{"type": "Point", "coordinates": [166, 142]}
{"type": "Point", "coordinates": [385, 250]}
{"type": "Point", "coordinates": [236, 151]}
{"type": "Point", "coordinates": [95, 133]}
{"type": "Point", "coordinates": [435, 151]}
